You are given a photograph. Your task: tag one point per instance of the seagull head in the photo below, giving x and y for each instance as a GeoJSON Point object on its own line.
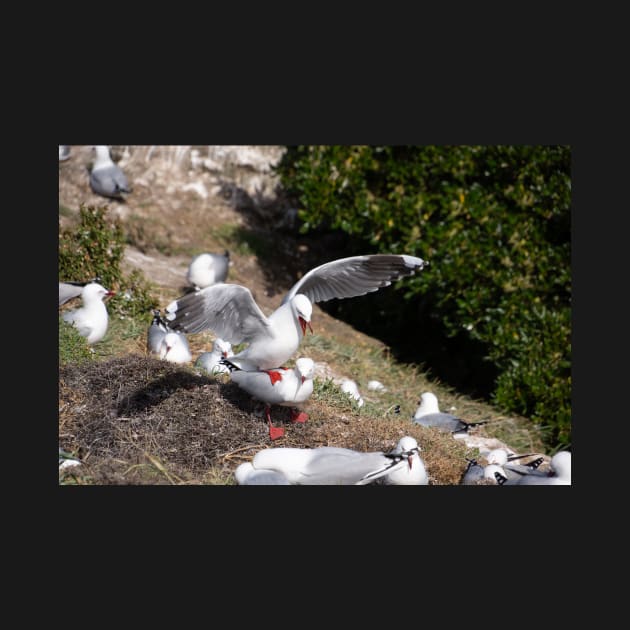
{"type": "Point", "coordinates": [223, 347]}
{"type": "Point", "coordinates": [304, 311]}
{"type": "Point", "coordinates": [408, 447]}
{"type": "Point", "coordinates": [305, 368]}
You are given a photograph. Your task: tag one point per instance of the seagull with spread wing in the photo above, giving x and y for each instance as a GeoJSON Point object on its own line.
{"type": "Point", "coordinates": [229, 310]}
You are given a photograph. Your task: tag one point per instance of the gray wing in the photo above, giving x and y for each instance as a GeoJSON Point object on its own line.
{"type": "Point", "coordinates": [68, 291]}
{"type": "Point", "coordinates": [356, 275]}
{"type": "Point", "coordinates": [344, 466]}
{"type": "Point", "coordinates": [444, 421]}
{"type": "Point", "coordinates": [109, 181]}
{"type": "Point", "coordinates": [229, 310]}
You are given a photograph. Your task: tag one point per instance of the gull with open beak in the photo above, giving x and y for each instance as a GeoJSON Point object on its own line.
{"type": "Point", "coordinates": [231, 312]}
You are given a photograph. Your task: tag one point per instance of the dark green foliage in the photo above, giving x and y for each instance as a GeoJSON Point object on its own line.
{"type": "Point", "coordinates": [96, 248]}
{"type": "Point", "coordinates": [494, 223]}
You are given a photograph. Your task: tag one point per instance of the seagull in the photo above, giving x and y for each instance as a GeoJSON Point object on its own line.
{"type": "Point", "coordinates": [415, 474]}
{"type": "Point", "coordinates": [156, 333]}
{"type": "Point", "coordinates": [348, 386]}
{"type": "Point", "coordinates": [428, 414]}
{"type": "Point", "coordinates": [71, 290]}
{"type": "Point", "coordinates": [91, 319]}
{"type": "Point", "coordinates": [210, 361]}
{"type": "Point", "coordinates": [174, 348]}
{"type": "Point", "coordinates": [501, 457]}
{"type": "Point", "coordinates": [208, 269]}
{"type": "Point", "coordinates": [247, 475]}
{"type": "Point", "coordinates": [292, 390]}
{"type": "Point", "coordinates": [231, 312]}
{"type": "Point", "coordinates": [64, 152]}
{"type": "Point", "coordinates": [107, 178]}
{"type": "Point", "coordinates": [559, 475]}
{"type": "Point", "coordinates": [330, 465]}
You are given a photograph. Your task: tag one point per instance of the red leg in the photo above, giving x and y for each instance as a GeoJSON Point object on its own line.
{"type": "Point", "coordinates": [298, 416]}
{"type": "Point", "coordinates": [274, 376]}
{"type": "Point", "coordinates": [274, 432]}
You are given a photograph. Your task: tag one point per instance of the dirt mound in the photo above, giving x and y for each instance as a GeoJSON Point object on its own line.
{"type": "Point", "coordinates": [131, 415]}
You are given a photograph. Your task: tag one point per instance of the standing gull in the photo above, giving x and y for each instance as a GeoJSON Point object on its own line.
{"type": "Point", "coordinates": [231, 312]}
{"type": "Point", "coordinates": [107, 178]}
{"type": "Point", "coordinates": [208, 269]}
{"type": "Point", "coordinates": [91, 319]}
{"type": "Point", "coordinates": [428, 414]}
{"type": "Point", "coordinates": [292, 390]}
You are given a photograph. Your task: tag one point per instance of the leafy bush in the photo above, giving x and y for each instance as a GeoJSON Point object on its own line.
{"type": "Point", "coordinates": [96, 248]}
{"type": "Point", "coordinates": [494, 223]}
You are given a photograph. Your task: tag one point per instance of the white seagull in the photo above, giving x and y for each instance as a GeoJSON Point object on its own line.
{"type": "Point", "coordinates": [330, 465]}
{"type": "Point", "coordinates": [71, 290]}
{"type": "Point", "coordinates": [208, 269]}
{"type": "Point", "coordinates": [348, 386]}
{"type": "Point", "coordinates": [210, 361]}
{"type": "Point", "coordinates": [247, 475]}
{"type": "Point", "coordinates": [428, 414]}
{"type": "Point", "coordinates": [91, 319]}
{"type": "Point", "coordinates": [174, 348]}
{"type": "Point", "coordinates": [559, 475]}
{"type": "Point", "coordinates": [292, 390]}
{"type": "Point", "coordinates": [502, 458]}
{"type": "Point", "coordinates": [156, 333]}
{"type": "Point", "coordinates": [415, 474]}
{"type": "Point", "coordinates": [231, 312]}
{"type": "Point", "coordinates": [107, 178]}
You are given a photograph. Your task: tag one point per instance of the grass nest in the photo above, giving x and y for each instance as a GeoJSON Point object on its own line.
{"type": "Point", "coordinates": [136, 420]}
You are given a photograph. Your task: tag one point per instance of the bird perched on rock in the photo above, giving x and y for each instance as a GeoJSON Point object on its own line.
{"type": "Point", "coordinates": [428, 414]}
{"type": "Point", "coordinates": [331, 465]}
{"type": "Point", "coordinates": [91, 319]}
{"type": "Point", "coordinates": [292, 390]}
{"type": "Point", "coordinates": [107, 178]}
{"type": "Point", "coordinates": [231, 312]}
{"type": "Point", "coordinates": [211, 361]}
{"type": "Point", "coordinates": [208, 269]}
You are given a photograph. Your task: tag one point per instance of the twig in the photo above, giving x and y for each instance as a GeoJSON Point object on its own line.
{"type": "Point", "coordinates": [228, 455]}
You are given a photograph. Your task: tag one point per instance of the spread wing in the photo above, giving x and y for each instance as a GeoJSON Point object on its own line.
{"type": "Point", "coordinates": [356, 275]}
{"type": "Point", "coordinates": [229, 310]}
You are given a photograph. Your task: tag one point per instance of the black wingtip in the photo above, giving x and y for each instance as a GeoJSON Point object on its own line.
{"type": "Point", "coordinates": [500, 478]}
{"type": "Point", "coordinates": [230, 366]}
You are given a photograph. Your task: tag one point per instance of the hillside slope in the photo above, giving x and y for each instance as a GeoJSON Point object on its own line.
{"type": "Point", "coordinates": [135, 420]}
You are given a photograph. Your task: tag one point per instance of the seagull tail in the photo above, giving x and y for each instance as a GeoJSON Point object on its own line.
{"type": "Point", "coordinates": [230, 366]}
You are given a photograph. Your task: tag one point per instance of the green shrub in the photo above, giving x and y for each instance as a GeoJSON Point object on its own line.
{"type": "Point", "coordinates": [494, 223]}
{"type": "Point", "coordinates": [96, 248]}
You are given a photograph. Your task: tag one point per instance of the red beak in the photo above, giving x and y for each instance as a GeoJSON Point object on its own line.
{"type": "Point", "coordinates": [225, 355]}
{"type": "Point", "coordinates": [303, 378]}
{"type": "Point", "coordinates": [304, 324]}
